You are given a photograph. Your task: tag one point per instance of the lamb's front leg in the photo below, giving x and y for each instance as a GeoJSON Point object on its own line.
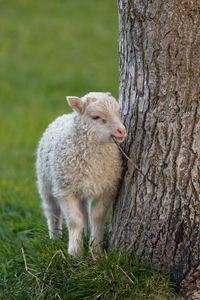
{"type": "Point", "coordinates": [97, 215]}
{"type": "Point", "coordinates": [71, 209]}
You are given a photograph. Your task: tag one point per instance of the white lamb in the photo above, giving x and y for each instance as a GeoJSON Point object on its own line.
{"type": "Point", "coordinates": [77, 162]}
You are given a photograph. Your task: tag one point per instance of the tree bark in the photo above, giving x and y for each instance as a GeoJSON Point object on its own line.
{"type": "Point", "coordinates": [159, 94]}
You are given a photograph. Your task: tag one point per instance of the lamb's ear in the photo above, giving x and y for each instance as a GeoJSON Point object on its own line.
{"type": "Point", "coordinates": [76, 103]}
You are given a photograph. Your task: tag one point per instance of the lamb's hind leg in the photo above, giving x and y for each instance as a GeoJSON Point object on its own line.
{"type": "Point", "coordinates": [71, 209]}
{"type": "Point", "coordinates": [84, 209]}
{"type": "Point", "coordinates": [53, 215]}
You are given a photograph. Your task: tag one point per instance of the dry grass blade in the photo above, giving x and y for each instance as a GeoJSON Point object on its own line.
{"type": "Point", "coordinates": [132, 162]}
{"type": "Point", "coordinates": [27, 269]}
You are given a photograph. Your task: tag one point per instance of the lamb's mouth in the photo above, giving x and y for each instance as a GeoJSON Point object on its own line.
{"type": "Point", "coordinates": [117, 140]}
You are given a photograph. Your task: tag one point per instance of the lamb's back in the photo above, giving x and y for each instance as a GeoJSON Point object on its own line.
{"type": "Point", "coordinates": [55, 134]}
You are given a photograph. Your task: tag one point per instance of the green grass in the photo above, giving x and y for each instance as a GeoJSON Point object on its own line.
{"type": "Point", "coordinates": [58, 276]}
{"type": "Point", "coordinates": [50, 49]}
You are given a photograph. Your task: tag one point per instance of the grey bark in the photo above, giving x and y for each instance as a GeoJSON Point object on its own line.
{"type": "Point", "coordinates": [159, 94]}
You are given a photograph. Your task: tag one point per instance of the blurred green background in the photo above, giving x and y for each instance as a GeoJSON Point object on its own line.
{"type": "Point", "coordinates": [48, 49]}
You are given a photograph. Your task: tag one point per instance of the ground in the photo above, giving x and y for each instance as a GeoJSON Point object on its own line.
{"type": "Point", "coordinates": [50, 49]}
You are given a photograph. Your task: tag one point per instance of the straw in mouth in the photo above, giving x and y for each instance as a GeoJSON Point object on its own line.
{"type": "Point", "coordinates": [132, 162]}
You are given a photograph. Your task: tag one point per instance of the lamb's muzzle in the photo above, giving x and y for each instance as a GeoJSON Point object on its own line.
{"type": "Point", "coordinates": [120, 134]}
{"type": "Point", "coordinates": [79, 167]}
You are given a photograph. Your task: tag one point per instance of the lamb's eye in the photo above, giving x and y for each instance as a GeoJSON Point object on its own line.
{"type": "Point", "coordinates": [95, 117]}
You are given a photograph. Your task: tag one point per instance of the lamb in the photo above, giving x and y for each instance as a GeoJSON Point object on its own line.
{"type": "Point", "coordinates": [79, 166]}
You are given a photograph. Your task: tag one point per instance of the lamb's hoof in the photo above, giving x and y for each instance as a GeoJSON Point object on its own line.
{"type": "Point", "coordinates": [75, 251]}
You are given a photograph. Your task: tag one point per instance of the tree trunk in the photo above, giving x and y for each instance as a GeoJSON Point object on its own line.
{"type": "Point", "coordinates": [159, 46]}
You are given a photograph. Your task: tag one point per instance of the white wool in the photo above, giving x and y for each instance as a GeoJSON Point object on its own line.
{"type": "Point", "coordinates": [74, 166]}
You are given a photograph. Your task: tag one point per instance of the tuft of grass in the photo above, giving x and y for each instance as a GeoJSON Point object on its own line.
{"type": "Point", "coordinates": [49, 273]}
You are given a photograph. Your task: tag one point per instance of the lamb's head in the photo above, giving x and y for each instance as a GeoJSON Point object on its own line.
{"type": "Point", "coordinates": [101, 110]}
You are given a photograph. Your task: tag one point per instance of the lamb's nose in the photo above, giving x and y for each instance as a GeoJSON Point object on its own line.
{"type": "Point", "coordinates": [120, 133]}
